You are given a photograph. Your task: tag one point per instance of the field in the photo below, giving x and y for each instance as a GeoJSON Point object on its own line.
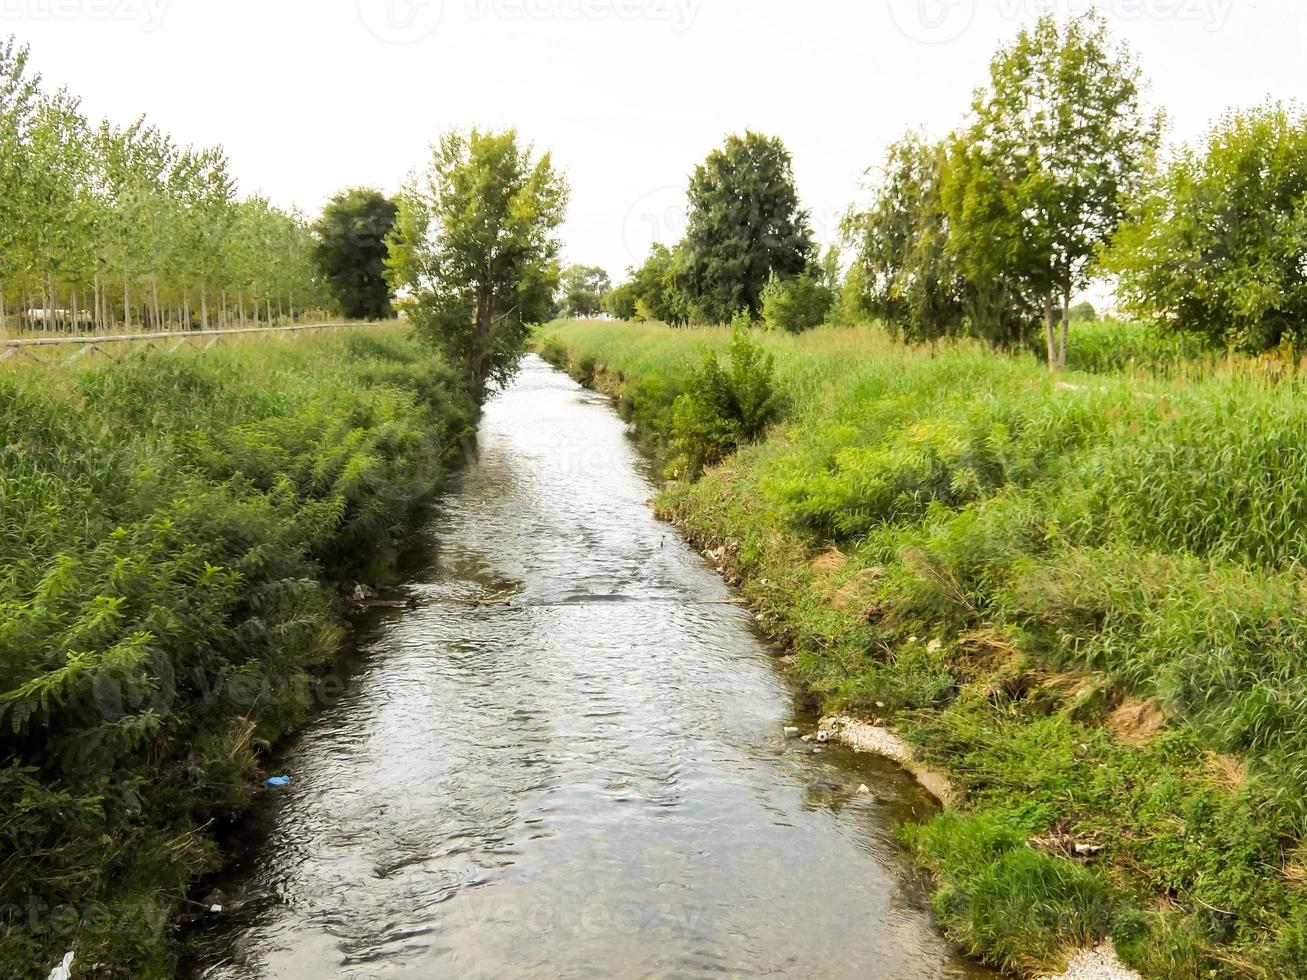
{"type": "Point", "coordinates": [175, 530]}
{"type": "Point", "coordinates": [1081, 595]}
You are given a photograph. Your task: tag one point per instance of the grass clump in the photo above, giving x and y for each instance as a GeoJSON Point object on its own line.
{"type": "Point", "coordinates": [1004, 900]}
{"type": "Point", "coordinates": [172, 532]}
{"type": "Point", "coordinates": [1081, 595]}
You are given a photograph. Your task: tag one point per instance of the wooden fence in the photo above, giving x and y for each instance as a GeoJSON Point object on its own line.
{"type": "Point", "coordinates": [17, 350]}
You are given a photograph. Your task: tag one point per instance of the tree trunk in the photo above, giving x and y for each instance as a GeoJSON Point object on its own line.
{"type": "Point", "coordinates": [1066, 329]}
{"type": "Point", "coordinates": [127, 302]}
{"type": "Point", "coordinates": [204, 305]}
{"type": "Point", "coordinates": [1049, 331]}
{"type": "Point", "coordinates": [49, 303]}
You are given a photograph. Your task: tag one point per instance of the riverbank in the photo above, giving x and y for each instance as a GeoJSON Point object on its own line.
{"type": "Point", "coordinates": [177, 530]}
{"type": "Point", "coordinates": [1078, 597]}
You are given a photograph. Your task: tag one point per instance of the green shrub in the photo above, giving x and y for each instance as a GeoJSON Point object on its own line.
{"type": "Point", "coordinates": [551, 348]}
{"type": "Point", "coordinates": [722, 409]}
{"type": "Point", "coordinates": [1106, 346]}
{"type": "Point", "coordinates": [798, 304]}
{"type": "Point", "coordinates": [1217, 248]}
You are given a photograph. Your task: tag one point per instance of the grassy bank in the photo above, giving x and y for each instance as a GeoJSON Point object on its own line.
{"type": "Point", "coordinates": [174, 529]}
{"type": "Point", "coordinates": [1081, 596]}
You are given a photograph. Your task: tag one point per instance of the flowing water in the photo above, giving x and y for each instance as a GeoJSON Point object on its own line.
{"type": "Point", "coordinates": [569, 760]}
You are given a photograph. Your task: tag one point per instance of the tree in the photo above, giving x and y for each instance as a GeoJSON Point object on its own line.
{"type": "Point", "coordinates": [19, 93]}
{"type": "Point", "coordinates": [583, 290]}
{"type": "Point", "coordinates": [1037, 182]}
{"type": "Point", "coordinates": [658, 293]}
{"type": "Point", "coordinates": [57, 203]}
{"type": "Point", "coordinates": [798, 304]}
{"type": "Point", "coordinates": [910, 278]}
{"type": "Point", "coordinates": [107, 224]}
{"type": "Point", "coordinates": [745, 225]}
{"type": "Point", "coordinates": [1084, 312]}
{"type": "Point", "coordinates": [205, 192]}
{"type": "Point", "coordinates": [475, 242]}
{"type": "Point", "coordinates": [134, 165]}
{"type": "Point", "coordinates": [351, 251]}
{"type": "Point", "coordinates": [1219, 244]}
{"type": "Point", "coordinates": [620, 302]}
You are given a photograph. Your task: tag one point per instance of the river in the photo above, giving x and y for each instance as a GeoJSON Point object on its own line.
{"type": "Point", "coordinates": [569, 760]}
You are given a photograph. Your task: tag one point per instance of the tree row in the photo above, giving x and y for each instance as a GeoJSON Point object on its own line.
{"type": "Point", "coordinates": [1054, 179]}
{"type": "Point", "coordinates": [104, 226]}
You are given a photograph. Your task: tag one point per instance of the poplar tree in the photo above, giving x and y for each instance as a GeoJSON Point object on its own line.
{"type": "Point", "coordinates": [1058, 142]}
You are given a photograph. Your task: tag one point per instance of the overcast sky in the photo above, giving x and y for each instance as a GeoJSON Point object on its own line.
{"type": "Point", "coordinates": [310, 96]}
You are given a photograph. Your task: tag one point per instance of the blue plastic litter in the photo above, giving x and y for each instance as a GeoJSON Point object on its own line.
{"type": "Point", "coordinates": [279, 781]}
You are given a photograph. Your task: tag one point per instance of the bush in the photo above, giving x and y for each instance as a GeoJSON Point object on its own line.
{"type": "Point", "coordinates": [720, 409]}
{"type": "Point", "coordinates": [798, 304]}
{"type": "Point", "coordinates": [1218, 247]}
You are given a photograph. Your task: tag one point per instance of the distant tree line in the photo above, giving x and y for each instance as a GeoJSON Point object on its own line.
{"type": "Point", "coordinates": [1052, 180]}
{"type": "Point", "coordinates": [102, 225]}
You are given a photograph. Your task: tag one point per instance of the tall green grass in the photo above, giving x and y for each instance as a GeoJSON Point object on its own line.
{"type": "Point", "coordinates": [1081, 594]}
{"type": "Point", "coordinates": [172, 532]}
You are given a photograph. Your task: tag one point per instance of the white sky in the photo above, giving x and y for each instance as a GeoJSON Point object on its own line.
{"type": "Point", "coordinates": [310, 96]}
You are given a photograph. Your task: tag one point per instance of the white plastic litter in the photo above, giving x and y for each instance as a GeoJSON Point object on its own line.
{"type": "Point", "coordinates": [65, 969]}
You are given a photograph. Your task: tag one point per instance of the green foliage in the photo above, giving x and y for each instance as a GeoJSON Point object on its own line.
{"type": "Point", "coordinates": [1057, 142]}
{"type": "Point", "coordinates": [1218, 247]}
{"type": "Point", "coordinates": [1005, 901]}
{"type": "Point", "coordinates": [1083, 312]}
{"type": "Point", "coordinates": [622, 301]}
{"type": "Point", "coordinates": [798, 304]}
{"type": "Point", "coordinates": [126, 227]}
{"type": "Point", "coordinates": [745, 225]}
{"type": "Point", "coordinates": [909, 277]}
{"type": "Point", "coordinates": [852, 307]}
{"type": "Point", "coordinates": [171, 527]}
{"type": "Point", "coordinates": [476, 244]}
{"type": "Point", "coordinates": [351, 251]}
{"type": "Point", "coordinates": [653, 291]}
{"type": "Point", "coordinates": [1152, 348]}
{"type": "Point", "coordinates": [583, 290]}
{"type": "Point", "coordinates": [721, 408]}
